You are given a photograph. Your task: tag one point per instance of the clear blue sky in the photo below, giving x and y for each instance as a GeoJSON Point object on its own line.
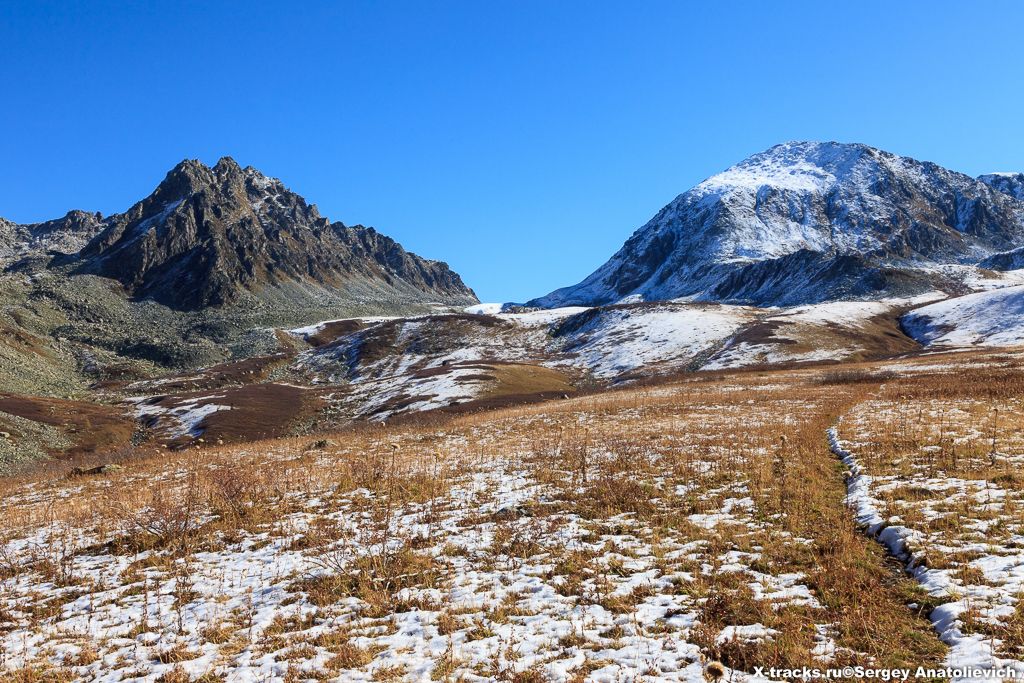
{"type": "Point", "coordinates": [521, 141]}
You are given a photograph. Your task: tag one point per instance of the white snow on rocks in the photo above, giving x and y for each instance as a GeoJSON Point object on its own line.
{"type": "Point", "coordinates": [484, 309]}
{"type": "Point", "coordinates": [436, 360]}
{"type": "Point", "coordinates": [184, 418]}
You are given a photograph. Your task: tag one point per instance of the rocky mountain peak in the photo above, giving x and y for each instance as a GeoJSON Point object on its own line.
{"type": "Point", "coordinates": [227, 166]}
{"type": "Point", "coordinates": [186, 178]}
{"type": "Point", "coordinates": [208, 236]}
{"type": "Point", "coordinates": [803, 222]}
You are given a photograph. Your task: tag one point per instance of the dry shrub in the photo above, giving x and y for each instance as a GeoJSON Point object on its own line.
{"type": "Point", "coordinates": [858, 376]}
{"type": "Point", "coordinates": [175, 675]}
{"type": "Point", "coordinates": [38, 673]}
{"type": "Point", "coordinates": [610, 495]}
{"type": "Point", "coordinates": [447, 623]}
{"type": "Point", "coordinates": [219, 633]}
{"type": "Point", "coordinates": [534, 674]}
{"type": "Point", "coordinates": [175, 654]}
{"type": "Point", "coordinates": [727, 606]}
{"type": "Point", "coordinates": [85, 656]}
{"type": "Point", "coordinates": [167, 516]}
{"type": "Point", "coordinates": [445, 667]}
{"type": "Point", "coordinates": [517, 541]}
{"type": "Point", "coordinates": [374, 577]}
{"type": "Point", "coordinates": [390, 673]}
{"type": "Point", "coordinates": [1012, 632]}
{"type": "Point", "coordinates": [349, 656]}
{"type": "Point", "coordinates": [735, 653]}
{"type": "Point", "coordinates": [240, 496]}
{"type": "Point", "coordinates": [789, 647]}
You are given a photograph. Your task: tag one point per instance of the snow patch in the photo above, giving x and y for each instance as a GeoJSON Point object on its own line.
{"type": "Point", "coordinates": [992, 318]}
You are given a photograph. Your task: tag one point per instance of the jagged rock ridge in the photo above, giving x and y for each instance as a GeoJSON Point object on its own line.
{"type": "Point", "coordinates": [64, 235]}
{"type": "Point", "coordinates": [207, 236]}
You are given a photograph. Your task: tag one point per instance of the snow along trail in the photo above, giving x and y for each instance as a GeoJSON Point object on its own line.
{"type": "Point", "coordinates": [966, 650]}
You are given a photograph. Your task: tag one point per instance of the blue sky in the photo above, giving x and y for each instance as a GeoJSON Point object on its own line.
{"type": "Point", "coordinates": [523, 141]}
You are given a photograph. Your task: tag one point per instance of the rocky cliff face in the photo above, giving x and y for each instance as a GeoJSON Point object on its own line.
{"type": "Point", "coordinates": [1007, 183]}
{"type": "Point", "coordinates": [806, 222]}
{"type": "Point", "coordinates": [62, 235]}
{"type": "Point", "coordinates": [206, 236]}
{"type": "Point", "coordinates": [1011, 184]}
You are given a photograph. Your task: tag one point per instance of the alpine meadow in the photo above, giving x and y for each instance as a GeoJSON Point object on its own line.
{"type": "Point", "coordinates": [778, 435]}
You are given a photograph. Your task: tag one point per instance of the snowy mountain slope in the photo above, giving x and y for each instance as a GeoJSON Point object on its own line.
{"type": "Point", "coordinates": [805, 222]}
{"type": "Point", "coordinates": [1005, 260]}
{"type": "Point", "coordinates": [614, 341]}
{"type": "Point", "coordinates": [1011, 184]}
{"type": "Point", "coordinates": [388, 366]}
{"type": "Point", "coordinates": [379, 368]}
{"type": "Point", "coordinates": [382, 367]}
{"type": "Point", "coordinates": [606, 343]}
{"type": "Point", "coordinates": [831, 331]}
{"type": "Point", "coordinates": [993, 318]}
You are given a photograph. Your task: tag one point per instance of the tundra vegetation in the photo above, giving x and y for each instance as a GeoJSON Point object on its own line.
{"type": "Point", "coordinates": [643, 533]}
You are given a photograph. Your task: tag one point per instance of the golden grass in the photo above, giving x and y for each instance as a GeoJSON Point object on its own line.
{"type": "Point", "coordinates": [655, 464]}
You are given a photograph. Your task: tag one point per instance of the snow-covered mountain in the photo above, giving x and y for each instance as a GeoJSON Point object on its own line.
{"type": "Point", "coordinates": [807, 222]}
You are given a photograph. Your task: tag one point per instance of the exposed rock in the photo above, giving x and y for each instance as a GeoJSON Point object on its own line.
{"type": "Point", "coordinates": [206, 236]}
{"type": "Point", "coordinates": [64, 235]}
{"type": "Point", "coordinates": [1006, 260]}
{"type": "Point", "coordinates": [1007, 183]}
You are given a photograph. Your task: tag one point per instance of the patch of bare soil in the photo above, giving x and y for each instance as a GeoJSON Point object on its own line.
{"type": "Point", "coordinates": [91, 427]}
{"type": "Point", "coordinates": [257, 411]}
{"type": "Point", "coordinates": [333, 330]}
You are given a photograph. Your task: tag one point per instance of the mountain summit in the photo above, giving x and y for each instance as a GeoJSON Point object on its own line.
{"type": "Point", "coordinates": [806, 222]}
{"type": "Point", "coordinates": [209, 236]}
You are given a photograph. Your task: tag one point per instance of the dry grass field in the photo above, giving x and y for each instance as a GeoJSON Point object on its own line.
{"type": "Point", "coordinates": [698, 527]}
{"type": "Point", "coordinates": [941, 484]}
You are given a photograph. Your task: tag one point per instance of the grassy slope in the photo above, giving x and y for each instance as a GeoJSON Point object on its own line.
{"type": "Point", "coordinates": [600, 530]}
